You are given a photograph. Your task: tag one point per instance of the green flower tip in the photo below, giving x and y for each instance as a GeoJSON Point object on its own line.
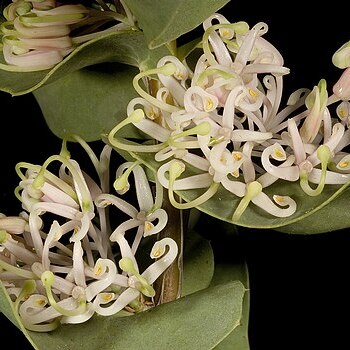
{"type": "Point", "coordinates": [3, 236]}
{"type": "Point", "coordinates": [29, 287]}
{"type": "Point", "coordinates": [341, 58]}
{"type": "Point", "coordinates": [39, 181]}
{"type": "Point", "coordinates": [253, 189]}
{"type": "Point", "coordinates": [324, 153]}
{"type": "Point", "coordinates": [121, 184]}
{"type": "Point", "coordinates": [168, 69]}
{"type": "Point", "coordinates": [136, 116]}
{"type": "Point", "coordinates": [176, 169]}
{"type": "Point", "coordinates": [127, 265]}
{"type": "Point", "coordinates": [47, 278]}
{"type": "Point", "coordinates": [241, 27]}
{"type": "Point", "coordinates": [148, 291]}
{"type": "Point", "coordinates": [321, 91]}
{"type": "Point", "coordinates": [202, 129]}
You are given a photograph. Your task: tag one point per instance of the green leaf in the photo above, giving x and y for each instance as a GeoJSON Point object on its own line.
{"type": "Point", "coordinates": [198, 263]}
{"type": "Point", "coordinates": [230, 265]}
{"type": "Point", "coordinates": [88, 102]}
{"type": "Point", "coordinates": [225, 272]}
{"type": "Point", "coordinates": [7, 308]}
{"type": "Point", "coordinates": [197, 321]}
{"type": "Point", "coordinates": [223, 204]}
{"type": "Point", "coordinates": [187, 49]}
{"type": "Point", "coordinates": [127, 47]}
{"type": "Point", "coordinates": [333, 215]}
{"type": "Point", "coordinates": [173, 18]}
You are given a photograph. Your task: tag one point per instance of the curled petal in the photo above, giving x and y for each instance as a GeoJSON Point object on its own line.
{"type": "Point", "coordinates": [124, 246]}
{"type": "Point", "coordinates": [191, 182]}
{"type": "Point", "coordinates": [172, 82]}
{"type": "Point", "coordinates": [265, 203]}
{"type": "Point", "coordinates": [104, 200]}
{"type": "Point", "coordinates": [221, 159]}
{"type": "Point", "coordinates": [105, 279]}
{"type": "Point", "coordinates": [123, 227]}
{"type": "Point", "coordinates": [90, 310]}
{"type": "Point", "coordinates": [289, 173]}
{"type": "Point", "coordinates": [163, 261]}
{"type": "Point", "coordinates": [221, 53]}
{"type": "Point", "coordinates": [123, 300]}
{"type": "Point", "coordinates": [79, 234]}
{"type": "Point", "coordinates": [162, 217]}
{"type": "Point", "coordinates": [197, 99]}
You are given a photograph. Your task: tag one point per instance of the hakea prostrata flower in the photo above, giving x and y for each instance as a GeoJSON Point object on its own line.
{"type": "Point", "coordinates": [39, 34]}
{"type": "Point", "coordinates": [62, 260]}
{"type": "Point", "coordinates": [224, 123]}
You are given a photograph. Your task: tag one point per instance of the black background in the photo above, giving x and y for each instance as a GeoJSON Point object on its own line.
{"type": "Point", "coordinates": [299, 294]}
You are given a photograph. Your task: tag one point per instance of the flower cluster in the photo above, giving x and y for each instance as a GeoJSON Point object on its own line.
{"type": "Point", "coordinates": [222, 121]}
{"type": "Point", "coordinates": [39, 34]}
{"type": "Point", "coordinates": [69, 254]}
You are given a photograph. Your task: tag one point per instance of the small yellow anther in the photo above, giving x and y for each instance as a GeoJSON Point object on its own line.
{"type": "Point", "coordinates": [209, 104]}
{"type": "Point", "coordinates": [342, 113]}
{"type": "Point", "coordinates": [148, 226]}
{"type": "Point", "coordinates": [235, 173]}
{"type": "Point", "coordinates": [278, 154]}
{"type": "Point", "coordinates": [107, 297]}
{"type": "Point", "coordinates": [40, 302]}
{"type": "Point", "coordinates": [179, 76]}
{"type": "Point", "coordinates": [157, 253]}
{"type": "Point", "coordinates": [343, 165]}
{"type": "Point", "coordinates": [253, 93]}
{"type": "Point", "coordinates": [98, 271]}
{"type": "Point", "coordinates": [225, 33]}
{"type": "Point", "coordinates": [237, 156]}
{"type": "Point", "coordinates": [279, 199]}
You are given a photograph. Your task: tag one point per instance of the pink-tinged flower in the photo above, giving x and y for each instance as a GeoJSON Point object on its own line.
{"type": "Point", "coordinates": [316, 103]}
{"type": "Point", "coordinates": [341, 88]}
{"type": "Point", "coordinates": [141, 219]}
{"type": "Point", "coordinates": [57, 260]}
{"type": "Point", "coordinates": [39, 34]}
{"type": "Point", "coordinates": [306, 167]}
{"type": "Point", "coordinates": [164, 251]}
{"type": "Point", "coordinates": [341, 58]}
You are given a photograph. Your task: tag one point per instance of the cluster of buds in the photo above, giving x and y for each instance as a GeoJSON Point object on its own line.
{"type": "Point", "coordinates": [69, 254]}
{"type": "Point", "coordinates": [222, 121]}
{"type": "Point", "coordinates": [41, 33]}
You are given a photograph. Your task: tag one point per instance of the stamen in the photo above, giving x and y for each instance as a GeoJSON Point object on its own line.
{"type": "Point", "coordinates": [252, 190]}
{"type": "Point", "coordinates": [145, 288]}
{"type": "Point", "coordinates": [324, 155]}
{"type": "Point", "coordinates": [28, 288]}
{"type": "Point", "coordinates": [47, 279]}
